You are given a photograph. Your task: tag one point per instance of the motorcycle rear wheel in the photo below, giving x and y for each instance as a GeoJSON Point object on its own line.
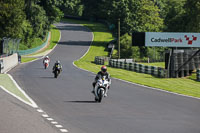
{"type": "Point", "coordinates": [55, 74]}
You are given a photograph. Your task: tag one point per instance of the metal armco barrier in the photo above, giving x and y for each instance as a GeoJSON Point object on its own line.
{"type": "Point", "coordinates": [198, 74]}
{"type": "Point", "coordinates": [132, 66]}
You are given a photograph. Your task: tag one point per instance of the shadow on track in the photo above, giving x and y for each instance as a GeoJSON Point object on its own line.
{"type": "Point", "coordinates": [81, 101]}
{"type": "Point", "coordinates": [72, 28]}
{"type": "Point", "coordinates": [48, 77]}
{"type": "Point", "coordinates": [75, 43]}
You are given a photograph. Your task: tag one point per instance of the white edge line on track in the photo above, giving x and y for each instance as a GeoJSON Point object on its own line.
{"type": "Point", "coordinates": [54, 122]}
{"type": "Point", "coordinates": [45, 115]}
{"type": "Point", "coordinates": [64, 130]}
{"type": "Point", "coordinates": [19, 98]}
{"type": "Point", "coordinates": [132, 82]}
{"type": "Point", "coordinates": [32, 104]}
{"type": "Point", "coordinates": [59, 126]}
{"type": "Point", "coordinates": [40, 110]}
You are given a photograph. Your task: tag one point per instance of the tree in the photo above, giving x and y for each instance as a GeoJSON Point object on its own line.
{"type": "Point", "coordinates": [192, 16]}
{"type": "Point", "coordinates": [11, 18]}
{"type": "Point", "coordinates": [126, 50]}
{"type": "Point", "coordinates": [52, 11]}
{"type": "Point", "coordinates": [92, 9]}
{"type": "Point", "coordinates": [134, 15]}
{"type": "Point", "coordinates": [39, 21]}
{"type": "Point", "coordinates": [72, 7]}
{"type": "Point", "coordinates": [173, 18]}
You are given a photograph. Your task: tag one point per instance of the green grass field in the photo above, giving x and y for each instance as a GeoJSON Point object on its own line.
{"type": "Point", "coordinates": [102, 36]}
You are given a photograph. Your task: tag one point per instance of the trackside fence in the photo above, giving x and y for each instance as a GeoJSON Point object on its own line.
{"type": "Point", "coordinates": [198, 74]}
{"type": "Point", "coordinates": [132, 66]}
{"type": "Point", "coordinates": [33, 50]}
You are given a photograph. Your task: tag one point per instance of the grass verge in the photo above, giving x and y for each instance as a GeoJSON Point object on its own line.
{"type": "Point", "coordinates": [102, 36]}
{"type": "Point", "coordinates": [157, 64]}
{"type": "Point", "coordinates": [8, 84]}
{"type": "Point", "coordinates": [27, 59]}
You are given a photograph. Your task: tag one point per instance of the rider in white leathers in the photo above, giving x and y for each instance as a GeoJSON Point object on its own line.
{"type": "Point", "coordinates": [101, 74]}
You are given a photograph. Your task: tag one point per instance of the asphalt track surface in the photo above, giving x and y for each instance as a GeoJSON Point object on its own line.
{"type": "Point", "coordinates": [17, 117]}
{"type": "Point", "coordinates": [127, 109]}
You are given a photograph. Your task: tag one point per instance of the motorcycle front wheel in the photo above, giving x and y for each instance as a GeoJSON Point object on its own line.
{"type": "Point", "coordinates": [100, 95]}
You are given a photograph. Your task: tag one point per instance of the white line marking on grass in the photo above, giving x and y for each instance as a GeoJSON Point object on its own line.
{"type": "Point", "coordinates": [64, 130]}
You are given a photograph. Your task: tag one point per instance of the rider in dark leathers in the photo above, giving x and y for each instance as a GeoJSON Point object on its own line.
{"type": "Point", "coordinates": [59, 66]}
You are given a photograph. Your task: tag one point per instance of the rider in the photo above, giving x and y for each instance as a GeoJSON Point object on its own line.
{"type": "Point", "coordinates": [99, 75]}
{"type": "Point", "coordinates": [46, 58]}
{"type": "Point", "coordinates": [57, 65]}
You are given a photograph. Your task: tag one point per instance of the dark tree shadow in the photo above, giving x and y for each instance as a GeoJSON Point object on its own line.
{"type": "Point", "coordinates": [91, 27]}
{"type": "Point", "coordinates": [75, 43]}
{"type": "Point", "coordinates": [73, 28]}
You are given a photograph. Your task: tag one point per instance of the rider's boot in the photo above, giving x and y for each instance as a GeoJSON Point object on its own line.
{"type": "Point", "coordinates": [106, 93]}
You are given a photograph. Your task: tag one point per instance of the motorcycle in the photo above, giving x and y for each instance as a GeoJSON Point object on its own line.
{"type": "Point", "coordinates": [56, 71]}
{"type": "Point", "coordinates": [46, 64]}
{"type": "Point", "coordinates": [101, 87]}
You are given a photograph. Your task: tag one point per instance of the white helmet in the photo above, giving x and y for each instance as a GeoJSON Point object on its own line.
{"type": "Point", "coordinates": [47, 57]}
{"type": "Point", "coordinates": [57, 61]}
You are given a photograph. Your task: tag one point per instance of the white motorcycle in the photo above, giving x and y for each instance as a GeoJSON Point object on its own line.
{"type": "Point", "coordinates": [46, 64]}
{"type": "Point", "coordinates": [101, 89]}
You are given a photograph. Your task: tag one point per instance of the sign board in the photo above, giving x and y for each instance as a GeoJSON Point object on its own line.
{"type": "Point", "coordinates": [138, 38]}
{"type": "Point", "coordinates": [168, 39]}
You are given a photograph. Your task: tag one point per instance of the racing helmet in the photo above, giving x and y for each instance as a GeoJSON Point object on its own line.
{"type": "Point", "coordinates": [103, 69]}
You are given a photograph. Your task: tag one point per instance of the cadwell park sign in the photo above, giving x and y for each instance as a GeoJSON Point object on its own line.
{"type": "Point", "coordinates": [166, 39]}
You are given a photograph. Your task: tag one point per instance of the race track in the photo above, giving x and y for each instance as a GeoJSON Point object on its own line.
{"type": "Point", "coordinates": [127, 109]}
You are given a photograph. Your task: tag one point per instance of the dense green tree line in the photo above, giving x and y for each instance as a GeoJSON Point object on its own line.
{"type": "Point", "coordinates": [29, 19]}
